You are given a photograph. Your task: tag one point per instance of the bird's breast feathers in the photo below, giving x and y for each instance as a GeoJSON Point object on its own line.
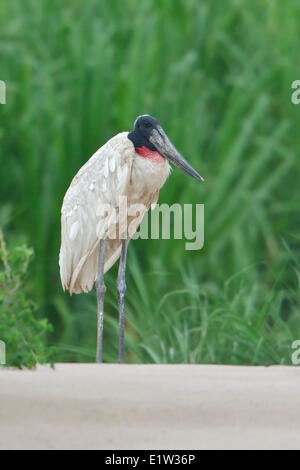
{"type": "Point", "coordinates": [147, 174]}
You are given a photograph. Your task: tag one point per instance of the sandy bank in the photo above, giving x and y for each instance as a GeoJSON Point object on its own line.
{"type": "Point", "coordinates": [85, 406]}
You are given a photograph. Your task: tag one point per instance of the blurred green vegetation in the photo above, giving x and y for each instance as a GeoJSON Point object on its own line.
{"type": "Point", "coordinates": [22, 332]}
{"type": "Point", "coordinates": [218, 76]}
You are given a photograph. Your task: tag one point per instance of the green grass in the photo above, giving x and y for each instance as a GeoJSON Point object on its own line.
{"type": "Point", "coordinates": [218, 78]}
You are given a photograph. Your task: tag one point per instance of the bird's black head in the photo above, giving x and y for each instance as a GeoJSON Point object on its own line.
{"type": "Point", "coordinates": [143, 128]}
{"type": "Point", "coordinates": [149, 134]}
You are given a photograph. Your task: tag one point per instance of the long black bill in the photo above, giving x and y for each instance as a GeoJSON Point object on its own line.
{"type": "Point", "coordinates": [164, 146]}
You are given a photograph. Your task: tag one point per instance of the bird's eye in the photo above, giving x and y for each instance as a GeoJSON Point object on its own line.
{"type": "Point", "coordinates": [147, 124]}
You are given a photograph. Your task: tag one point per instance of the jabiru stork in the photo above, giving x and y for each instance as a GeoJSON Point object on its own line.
{"type": "Point", "coordinates": [134, 165]}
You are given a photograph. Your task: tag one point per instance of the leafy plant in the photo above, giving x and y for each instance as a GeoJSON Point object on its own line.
{"type": "Point", "coordinates": [20, 328]}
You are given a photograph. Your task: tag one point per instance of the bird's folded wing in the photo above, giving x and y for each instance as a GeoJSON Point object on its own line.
{"type": "Point", "coordinates": [88, 212]}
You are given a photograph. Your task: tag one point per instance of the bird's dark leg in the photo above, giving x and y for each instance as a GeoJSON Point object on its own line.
{"type": "Point", "coordinates": [121, 286]}
{"type": "Point", "coordinates": [100, 291]}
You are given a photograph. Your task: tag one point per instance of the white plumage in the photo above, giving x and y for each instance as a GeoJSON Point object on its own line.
{"type": "Point", "coordinates": [115, 170]}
